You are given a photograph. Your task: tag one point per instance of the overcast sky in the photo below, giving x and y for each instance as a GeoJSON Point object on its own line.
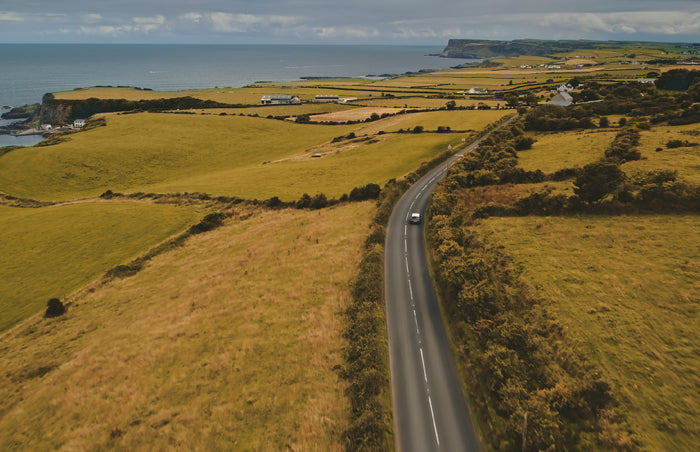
{"type": "Point", "coordinates": [344, 21]}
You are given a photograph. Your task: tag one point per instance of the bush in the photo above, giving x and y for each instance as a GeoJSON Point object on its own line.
{"type": "Point", "coordinates": [54, 308]}
{"type": "Point", "coordinates": [208, 223]}
{"type": "Point", "coordinates": [597, 180]}
{"type": "Point", "coordinates": [523, 143]}
{"type": "Point", "coordinates": [369, 191]}
{"type": "Point", "coordinates": [672, 144]}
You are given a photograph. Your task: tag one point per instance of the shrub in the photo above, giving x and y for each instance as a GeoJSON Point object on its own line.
{"type": "Point", "coordinates": [679, 144]}
{"type": "Point", "coordinates": [369, 191]}
{"type": "Point", "coordinates": [523, 143]}
{"type": "Point", "coordinates": [208, 223]}
{"type": "Point", "coordinates": [319, 201]}
{"type": "Point", "coordinates": [54, 308]}
{"type": "Point", "coordinates": [597, 180]}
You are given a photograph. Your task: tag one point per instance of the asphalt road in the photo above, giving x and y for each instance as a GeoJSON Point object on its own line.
{"type": "Point", "coordinates": [430, 412]}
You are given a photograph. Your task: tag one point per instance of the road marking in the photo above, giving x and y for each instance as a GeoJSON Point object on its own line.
{"type": "Point", "coordinates": [425, 375]}
{"type": "Point", "coordinates": [405, 245]}
{"type": "Point", "coordinates": [437, 437]}
{"type": "Point", "coordinates": [407, 270]}
{"type": "Point", "coordinates": [410, 289]}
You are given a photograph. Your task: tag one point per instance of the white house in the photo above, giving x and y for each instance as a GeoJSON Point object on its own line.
{"type": "Point", "coordinates": [280, 99]}
{"type": "Point", "coordinates": [478, 91]}
{"type": "Point", "coordinates": [79, 123]}
{"type": "Point", "coordinates": [562, 99]}
{"type": "Point", "coordinates": [565, 88]}
{"type": "Point", "coordinates": [45, 127]}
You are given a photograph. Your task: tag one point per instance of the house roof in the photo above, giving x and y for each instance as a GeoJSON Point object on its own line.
{"type": "Point", "coordinates": [562, 99]}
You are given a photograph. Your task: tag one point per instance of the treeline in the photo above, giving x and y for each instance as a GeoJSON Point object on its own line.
{"type": "Point", "coordinates": [531, 389]}
{"type": "Point", "coordinates": [673, 100]}
{"type": "Point", "coordinates": [318, 201]}
{"type": "Point", "coordinates": [599, 187]}
{"type": "Point", "coordinates": [87, 107]}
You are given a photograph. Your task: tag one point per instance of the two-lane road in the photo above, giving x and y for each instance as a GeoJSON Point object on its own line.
{"type": "Point", "coordinates": [430, 411]}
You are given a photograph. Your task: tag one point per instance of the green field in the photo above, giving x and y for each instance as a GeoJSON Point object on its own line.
{"type": "Point", "coordinates": [459, 120]}
{"type": "Point", "coordinates": [52, 251]}
{"type": "Point", "coordinates": [685, 160]}
{"type": "Point", "coordinates": [220, 155]}
{"type": "Point", "coordinates": [625, 289]}
{"type": "Point", "coordinates": [555, 151]}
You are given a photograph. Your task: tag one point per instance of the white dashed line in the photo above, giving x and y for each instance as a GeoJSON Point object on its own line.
{"type": "Point", "coordinates": [437, 437]}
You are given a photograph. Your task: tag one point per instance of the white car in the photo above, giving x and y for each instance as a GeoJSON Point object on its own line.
{"type": "Point", "coordinates": [415, 218]}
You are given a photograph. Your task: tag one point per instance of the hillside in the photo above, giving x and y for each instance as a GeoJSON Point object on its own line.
{"type": "Point", "coordinates": [480, 49]}
{"type": "Point", "coordinates": [191, 352]}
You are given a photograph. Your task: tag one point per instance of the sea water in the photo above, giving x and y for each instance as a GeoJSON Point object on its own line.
{"type": "Point", "coordinates": [28, 71]}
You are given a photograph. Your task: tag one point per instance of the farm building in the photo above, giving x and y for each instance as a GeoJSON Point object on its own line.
{"type": "Point", "coordinates": [79, 123]}
{"type": "Point", "coordinates": [280, 99]}
{"type": "Point", "coordinates": [327, 98]}
{"type": "Point", "coordinates": [562, 99]}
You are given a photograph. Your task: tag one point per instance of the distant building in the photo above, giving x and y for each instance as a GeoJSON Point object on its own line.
{"type": "Point", "coordinates": [45, 127]}
{"type": "Point", "coordinates": [79, 123]}
{"type": "Point", "coordinates": [478, 91]}
{"type": "Point", "coordinates": [646, 80]}
{"type": "Point", "coordinates": [565, 88]}
{"type": "Point", "coordinates": [561, 99]}
{"type": "Point", "coordinates": [280, 99]}
{"type": "Point", "coordinates": [327, 98]}
{"type": "Point", "coordinates": [345, 100]}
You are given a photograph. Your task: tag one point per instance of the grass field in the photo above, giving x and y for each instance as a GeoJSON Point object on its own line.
{"type": "Point", "coordinates": [685, 160]}
{"type": "Point", "coordinates": [626, 290]}
{"type": "Point", "coordinates": [220, 155]}
{"type": "Point", "coordinates": [277, 110]}
{"type": "Point", "coordinates": [342, 167]}
{"type": "Point", "coordinates": [555, 151]}
{"type": "Point", "coordinates": [458, 120]}
{"type": "Point", "coordinates": [52, 251]}
{"type": "Point", "coordinates": [230, 342]}
{"type": "Point", "coordinates": [117, 157]}
{"type": "Point", "coordinates": [425, 102]}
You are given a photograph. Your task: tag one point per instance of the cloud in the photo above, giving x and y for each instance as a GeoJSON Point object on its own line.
{"type": "Point", "coordinates": [359, 21]}
{"type": "Point", "coordinates": [9, 16]}
{"type": "Point", "coordinates": [346, 32]}
{"type": "Point", "coordinates": [657, 22]}
{"type": "Point", "coordinates": [147, 24]}
{"type": "Point", "coordinates": [223, 22]}
{"type": "Point", "coordinates": [92, 18]}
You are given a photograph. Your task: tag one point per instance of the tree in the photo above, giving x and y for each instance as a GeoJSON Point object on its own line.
{"type": "Point", "coordinates": [597, 180]}
{"type": "Point", "coordinates": [451, 105]}
{"type": "Point", "coordinates": [604, 122]}
{"type": "Point", "coordinates": [54, 308]}
{"type": "Point", "coordinates": [303, 119]}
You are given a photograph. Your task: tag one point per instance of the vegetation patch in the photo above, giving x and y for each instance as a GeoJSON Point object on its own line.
{"type": "Point", "coordinates": [622, 288]}
{"type": "Point", "coordinates": [52, 251]}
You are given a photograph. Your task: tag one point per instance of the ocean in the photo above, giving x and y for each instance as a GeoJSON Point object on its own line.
{"type": "Point", "coordinates": [28, 71]}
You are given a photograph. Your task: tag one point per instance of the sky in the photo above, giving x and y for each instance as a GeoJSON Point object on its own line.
{"type": "Point", "coordinates": [395, 22]}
